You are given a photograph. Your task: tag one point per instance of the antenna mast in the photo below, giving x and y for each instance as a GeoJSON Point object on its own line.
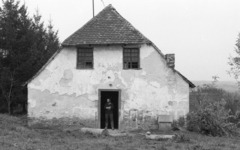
{"type": "Point", "coordinates": [93, 7]}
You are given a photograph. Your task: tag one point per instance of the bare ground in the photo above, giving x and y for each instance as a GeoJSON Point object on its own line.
{"type": "Point", "coordinates": [15, 135]}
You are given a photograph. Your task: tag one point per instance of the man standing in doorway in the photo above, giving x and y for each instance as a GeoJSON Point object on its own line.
{"type": "Point", "coordinates": [109, 113]}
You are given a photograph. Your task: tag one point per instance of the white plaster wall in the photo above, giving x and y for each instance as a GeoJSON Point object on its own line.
{"type": "Point", "coordinates": [61, 90]}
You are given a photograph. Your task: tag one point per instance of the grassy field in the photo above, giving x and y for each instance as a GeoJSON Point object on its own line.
{"type": "Point", "coordinates": [15, 135]}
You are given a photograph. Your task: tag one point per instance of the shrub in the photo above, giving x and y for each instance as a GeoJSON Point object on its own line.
{"type": "Point", "coordinates": [174, 125]}
{"type": "Point", "coordinates": [180, 138]}
{"type": "Point", "coordinates": [211, 119]}
{"type": "Point", "coordinates": [213, 111]}
{"type": "Point", "coordinates": [178, 123]}
{"type": "Point", "coordinates": [181, 121]}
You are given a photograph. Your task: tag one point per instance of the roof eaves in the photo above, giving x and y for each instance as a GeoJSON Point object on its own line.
{"type": "Point", "coordinates": [184, 78]}
{"type": "Point", "coordinates": [120, 43]}
{"type": "Point", "coordinates": [43, 67]}
{"type": "Point", "coordinates": [188, 81]}
{"type": "Point", "coordinates": [158, 50]}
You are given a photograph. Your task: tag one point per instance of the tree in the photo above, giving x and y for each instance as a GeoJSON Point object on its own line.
{"type": "Point", "coordinates": [25, 45]}
{"type": "Point", "coordinates": [14, 36]}
{"type": "Point", "coordinates": [234, 62]}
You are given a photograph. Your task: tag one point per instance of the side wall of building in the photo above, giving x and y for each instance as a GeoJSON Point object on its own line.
{"type": "Point", "coordinates": [62, 91]}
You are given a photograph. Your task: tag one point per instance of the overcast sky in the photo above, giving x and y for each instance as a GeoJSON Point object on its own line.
{"type": "Point", "coordinates": [201, 33]}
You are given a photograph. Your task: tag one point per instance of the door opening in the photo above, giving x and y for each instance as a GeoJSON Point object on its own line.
{"type": "Point", "coordinates": [114, 96]}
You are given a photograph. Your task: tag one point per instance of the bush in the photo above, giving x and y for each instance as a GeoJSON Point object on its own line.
{"type": "Point", "coordinates": [180, 138]}
{"type": "Point", "coordinates": [178, 123]}
{"type": "Point", "coordinates": [181, 121]}
{"type": "Point", "coordinates": [209, 93]}
{"type": "Point", "coordinates": [213, 111]}
{"type": "Point", "coordinates": [174, 125]}
{"type": "Point", "coordinates": [211, 119]}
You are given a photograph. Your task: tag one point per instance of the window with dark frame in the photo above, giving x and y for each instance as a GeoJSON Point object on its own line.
{"type": "Point", "coordinates": [131, 58]}
{"type": "Point", "coordinates": [85, 58]}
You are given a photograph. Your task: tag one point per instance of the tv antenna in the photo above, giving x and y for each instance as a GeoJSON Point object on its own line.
{"type": "Point", "coordinates": [103, 3]}
{"type": "Point", "coordinates": [93, 5]}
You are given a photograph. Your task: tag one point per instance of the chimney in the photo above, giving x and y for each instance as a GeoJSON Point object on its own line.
{"type": "Point", "coordinates": [170, 58]}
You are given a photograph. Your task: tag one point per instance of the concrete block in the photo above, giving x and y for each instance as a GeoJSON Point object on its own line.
{"type": "Point", "coordinates": [164, 118]}
{"type": "Point", "coordinates": [164, 126]}
{"type": "Point", "coordinates": [164, 122]}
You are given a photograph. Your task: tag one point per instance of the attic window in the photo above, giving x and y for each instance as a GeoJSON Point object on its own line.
{"type": "Point", "coordinates": [85, 58]}
{"type": "Point", "coordinates": [131, 58]}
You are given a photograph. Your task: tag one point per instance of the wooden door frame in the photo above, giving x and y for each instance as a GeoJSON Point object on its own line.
{"type": "Point", "coordinates": [99, 104]}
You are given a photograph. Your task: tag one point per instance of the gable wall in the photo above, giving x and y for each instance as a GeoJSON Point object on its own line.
{"type": "Point", "coordinates": [62, 91]}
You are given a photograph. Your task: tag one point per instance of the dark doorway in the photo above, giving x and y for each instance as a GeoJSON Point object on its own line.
{"type": "Point", "coordinates": [114, 96]}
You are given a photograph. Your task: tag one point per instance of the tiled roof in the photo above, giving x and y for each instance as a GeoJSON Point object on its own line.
{"type": "Point", "coordinates": [108, 27]}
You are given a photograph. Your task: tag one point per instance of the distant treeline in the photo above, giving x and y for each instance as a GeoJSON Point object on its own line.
{"type": "Point", "coordinates": [229, 86]}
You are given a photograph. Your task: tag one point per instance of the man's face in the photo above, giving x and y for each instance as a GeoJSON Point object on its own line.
{"type": "Point", "coordinates": [108, 100]}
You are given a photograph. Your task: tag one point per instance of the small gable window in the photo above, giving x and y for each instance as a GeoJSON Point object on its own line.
{"type": "Point", "coordinates": [85, 58]}
{"type": "Point", "coordinates": [131, 58]}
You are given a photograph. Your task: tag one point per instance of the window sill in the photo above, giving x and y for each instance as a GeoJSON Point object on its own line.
{"type": "Point", "coordinates": [85, 68]}
{"type": "Point", "coordinates": [132, 69]}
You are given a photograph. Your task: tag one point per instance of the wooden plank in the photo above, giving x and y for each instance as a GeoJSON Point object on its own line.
{"type": "Point", "coordinates": [95, 131]}
{"type": "Point", "coordinates": [158, 137]}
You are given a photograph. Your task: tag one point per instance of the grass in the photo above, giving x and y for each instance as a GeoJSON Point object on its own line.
{"type": "Point", "coordinates": [15, 135]}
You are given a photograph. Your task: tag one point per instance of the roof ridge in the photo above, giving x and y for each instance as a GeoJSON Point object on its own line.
{"type": "Point", "coordinates": [130, 25]}
{"type": "Point", "coordinates": [89, 21]}
{"type": "Point", "coordinates": [104, 29]}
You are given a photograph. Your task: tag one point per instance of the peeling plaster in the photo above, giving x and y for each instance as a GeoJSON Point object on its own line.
{"type": "Point", "coordinates": [67, 78]}
{"type": "Point", "coordinates": [143, 73]}
{"type": "Point", "coordinates": [64, 91]}
{"type": "Point", "coordinates": [36, 82]}
{"type": "Point", "coordinates": [86, 113]}
{"type": "Point", "coordinates": [155, 84]}
{"type": "Point", "coordinates": [43, 76]}
{"type": "Point", "coordinates": [32, 103]}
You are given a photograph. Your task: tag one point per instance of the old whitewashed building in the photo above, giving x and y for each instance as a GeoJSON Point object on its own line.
{"type": "Point", "coordinates": [108, 58]}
